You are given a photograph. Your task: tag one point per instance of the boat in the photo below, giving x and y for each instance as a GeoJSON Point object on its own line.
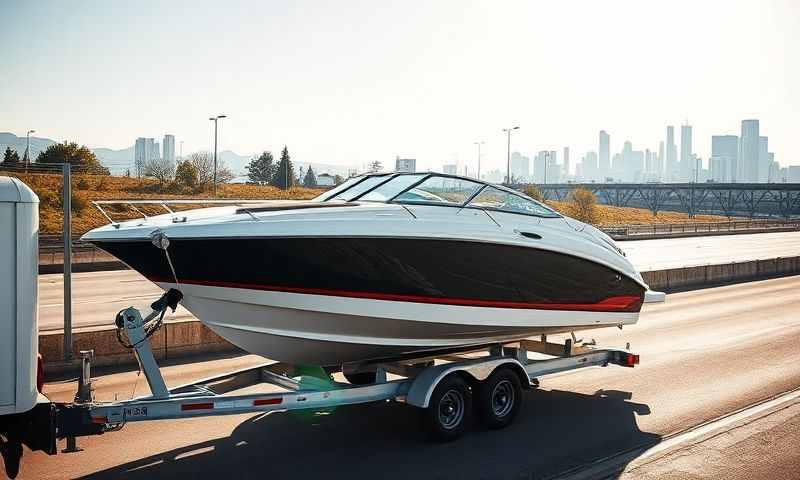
{"type": "Point", "coordinates": [384, 266]}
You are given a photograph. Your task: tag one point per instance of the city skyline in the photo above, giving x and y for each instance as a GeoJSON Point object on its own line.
{"type": "Point", "coordinates": [400, 84]}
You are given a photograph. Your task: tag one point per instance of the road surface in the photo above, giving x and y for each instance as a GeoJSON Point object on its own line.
{"type": "Point", "coordinates": [98, 296]}
{"type": "Point", "coordinates": [705, 353]}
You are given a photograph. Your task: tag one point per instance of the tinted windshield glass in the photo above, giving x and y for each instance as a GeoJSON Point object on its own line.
{"type": "Point", "coordinates": [392, 187]}
{"type": "Point", "coordinates": [360, 188]}
{"type": "Point", "coordinates": [335, 190]}
{"type": "Point", "coordinates": [440, 190]}
{"type": "Point", "coordinates": [497, 199]}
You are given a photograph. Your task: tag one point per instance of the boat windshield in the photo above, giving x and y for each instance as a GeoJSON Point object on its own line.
{"type": "Point", "coordinates": [357, 189]}
{"type": "Point", "coordinates": [338, 189]}
{"type": "Point", "coordinates": [436, 189]}
{"type": "Point", "coordinates": [492, 198]}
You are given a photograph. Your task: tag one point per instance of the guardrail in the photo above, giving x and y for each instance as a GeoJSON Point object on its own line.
{"type": "Point", "coordinates": [623, 232]}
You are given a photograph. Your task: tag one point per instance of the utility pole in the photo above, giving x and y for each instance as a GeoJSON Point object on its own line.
{"type": "Point", "coordinates": [216, 121]}
{"type": "Point", "coordinates": [479, 157]}
{"type": "Point", "coordinates": [508, 154]}
{"type": "Point", "coordinates": [66, 202]}
{"type": "Point", "coordinates": [28, 147]}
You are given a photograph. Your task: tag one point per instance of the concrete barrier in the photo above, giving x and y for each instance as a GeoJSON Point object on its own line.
{"type": "Point", "coordinates": [190, 337]}
{"type": "Point", "coordinates": [174, 340]}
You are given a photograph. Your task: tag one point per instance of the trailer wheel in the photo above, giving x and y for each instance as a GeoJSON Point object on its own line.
{"type": "Point", "coordinates": [450, 409]}
{"type": "Point", "coordinates": [360, 378]}
{"type": "Point", "coordinates": [499, 398]}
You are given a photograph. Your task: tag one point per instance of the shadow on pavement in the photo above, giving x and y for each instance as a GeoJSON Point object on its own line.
{"type": "Point", "coordinates": [556, 430]}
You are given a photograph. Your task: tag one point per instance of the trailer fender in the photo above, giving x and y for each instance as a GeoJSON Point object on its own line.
{"type": "Point", "coordinates": [419, 394]}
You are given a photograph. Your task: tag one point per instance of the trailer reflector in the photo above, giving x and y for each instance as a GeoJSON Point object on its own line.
{"type": "Point", "coordinates": [267, 401]}
{"type": "Point", "coordinates": [197, 406]}
{"type": "Point", "coordinates": [631, 360]}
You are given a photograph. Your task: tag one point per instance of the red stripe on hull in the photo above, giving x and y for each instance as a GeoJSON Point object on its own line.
{"type": "Point", "coordinates": [623, 303]}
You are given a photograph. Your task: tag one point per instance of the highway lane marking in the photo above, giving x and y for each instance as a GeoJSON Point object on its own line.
{"type": "Point", "coordinates": [637, 456]}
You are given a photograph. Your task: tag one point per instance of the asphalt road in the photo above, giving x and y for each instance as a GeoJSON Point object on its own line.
{"type": "Point", "coordinates": [98, 296]}
{"type": "Point", "coordinates": [704, 353]}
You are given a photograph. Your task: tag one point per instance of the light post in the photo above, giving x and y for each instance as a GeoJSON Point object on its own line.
{"type": "Point", "coordinates": [508, 154]}
{"type": "Point", "coordinates": [28, 147]}
{"type": "Point", "coordinates": [216, 121]}
{"type": "Point", "coordinates": [479, 157]}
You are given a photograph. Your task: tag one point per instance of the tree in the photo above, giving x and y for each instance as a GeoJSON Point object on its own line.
{"type": "Point", "coordinates": [261, 169]}
{"type": "Point", "coordinates": [375, 167]}
{"type": "Point", "coordinates": [10, 156]}
{"type": "Point", "coordinates": [203, 163]}
{"type": "Point", "coordinates": [186, 174]}
{"type": "Point", "coordinates": [161, 169]}
{"type": "Point", "coordinates": [533, 192]}
{"type": "Point", "coordinates": [338, 179]}
{"type": "Point", "coordinates": [73, 154]}
{"type": "Point", "coordinates": [311, 179]}
{"type": "Point", "coordinates": [284, 175]}
{"type": "Point", "coordinates": [582, 205]}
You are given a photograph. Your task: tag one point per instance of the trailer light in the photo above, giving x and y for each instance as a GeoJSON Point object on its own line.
{"type": "Point", "coordinates": [99, 420]}
{"type": "Point", "coordinates": [267, 401]}
{"type": "Point", "coordinates": [197, 406]}
{"type": "Point", "coordinates": [631, 360]}
{"type": "Point", "coordinates": [40, 373]}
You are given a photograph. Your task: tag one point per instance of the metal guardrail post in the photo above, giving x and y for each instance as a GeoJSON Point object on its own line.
{"type": "Point", "coordinates": [67, 236]}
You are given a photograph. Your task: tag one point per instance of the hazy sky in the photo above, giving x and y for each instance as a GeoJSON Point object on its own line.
{"type": "Point", "coordinates": [349, 82]}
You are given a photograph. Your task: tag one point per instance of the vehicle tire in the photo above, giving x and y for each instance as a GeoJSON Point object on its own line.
{"type": "Point", "coordinates": [450, 409]}
{"type": "Point", "coordinates": [361, 378]}
{"type": "Point", "coordinates": [499, 398]}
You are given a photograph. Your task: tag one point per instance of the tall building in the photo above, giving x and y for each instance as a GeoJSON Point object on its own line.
{"type": "Point", "coordinates": [169, 148]}
{"type": "Point", "coordinates": [589, 167]}
{"type": "Point", "coordinates": [143, 152]}
{"type": "Point", "coordinates": [747, 166]}
{"type": "Point", "coordinates": [660, 161]}
{"type": "Point", "coordinates": [671, 152]}
{"type": "Point", "coordinates": [543, 167]}
{"type": "Point", "coordinates": [520, 167]}
{"type": "Point", "coordinates": [724, 156]}
{"type": "Point", "coordinates": [763, 159]}
{"type": "Point", "coordinates": [686, 165]}
{"type": "Point", "coordinates": [566, 161]}
{"type": "Point", "coordinates": [604, 156]}
{"type": "Point", "coordinates": [405, 164]}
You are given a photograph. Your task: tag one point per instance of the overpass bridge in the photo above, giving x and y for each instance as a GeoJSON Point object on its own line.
{"type": "Point", "coordinates": [730, 199]}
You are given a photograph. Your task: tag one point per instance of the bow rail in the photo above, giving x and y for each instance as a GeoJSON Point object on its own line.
{"type": "Point", "coordinates": [98, 204]}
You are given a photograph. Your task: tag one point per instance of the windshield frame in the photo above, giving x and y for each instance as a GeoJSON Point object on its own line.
{"type": "Point", "coordinates": [427, 175]}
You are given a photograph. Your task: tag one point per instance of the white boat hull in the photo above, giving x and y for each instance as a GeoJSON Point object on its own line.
{"type": "Point", "coordinates": [324, 330]}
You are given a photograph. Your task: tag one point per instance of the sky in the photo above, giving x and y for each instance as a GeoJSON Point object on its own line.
{"type": "Point", "coordinates": [350, 82]}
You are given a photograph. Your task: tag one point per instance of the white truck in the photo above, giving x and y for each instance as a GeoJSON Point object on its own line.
{"type": "Point", "coordinates": [486, 382]}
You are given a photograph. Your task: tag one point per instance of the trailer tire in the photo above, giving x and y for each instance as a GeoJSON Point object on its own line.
{"type": "Point", "coordinates": [449, 411]}
{"type": "Point", "coordinates": [361, 378]}
{"type": "Point", "coordinates": [499, 398]}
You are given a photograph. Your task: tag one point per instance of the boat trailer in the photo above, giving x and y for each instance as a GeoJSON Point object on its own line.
{"type": "Point", "coordinates": [450, 387]}
{"type": "Point", "coordinates": [484, 381]}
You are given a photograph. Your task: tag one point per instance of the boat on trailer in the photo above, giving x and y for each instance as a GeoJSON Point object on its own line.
{"type": "Point", "coordinates": [383, 266]}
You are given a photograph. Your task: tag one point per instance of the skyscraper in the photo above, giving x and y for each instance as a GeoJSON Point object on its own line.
{"type": "Point", "coordinates": [724, 155]}
{"type": "Point", "coordinates": [686, 165]}
{"type": "Point", "coordinates": [566, 161]}
{"type": "Point", "coordinates": [520, 167]}
{"type": "Point", "coordinates": [142, 153]}
{"type": "Point", "coordinates": [671, 153]}
{"type": "Point", "coordinates": [604, 159]}
{"type": "Point", "coordinates": [169, 147]}
{"type": "Point", "coordinates": [763, 159]}
{"type": "Point", "coordinates": [747, 166]}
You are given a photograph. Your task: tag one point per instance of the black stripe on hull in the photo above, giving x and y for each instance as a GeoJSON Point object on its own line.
{"type": "Point", "coordinates": [413, 269]}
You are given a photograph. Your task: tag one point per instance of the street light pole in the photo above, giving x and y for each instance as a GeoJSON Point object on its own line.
{"type": "Point", "coordinates": [28, 147]}
{"type": "Point", "coordinates": [479, 157]}
{"type": "Point", "coordinates": [216, 121]}
{"type": "Point", "coordinates": [508, 154]}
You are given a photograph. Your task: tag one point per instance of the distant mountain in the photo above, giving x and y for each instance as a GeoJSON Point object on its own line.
{"type": "Point", "coordinates": [18, 143]}
{"type": "Point", "coordinates": [118, 161]}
